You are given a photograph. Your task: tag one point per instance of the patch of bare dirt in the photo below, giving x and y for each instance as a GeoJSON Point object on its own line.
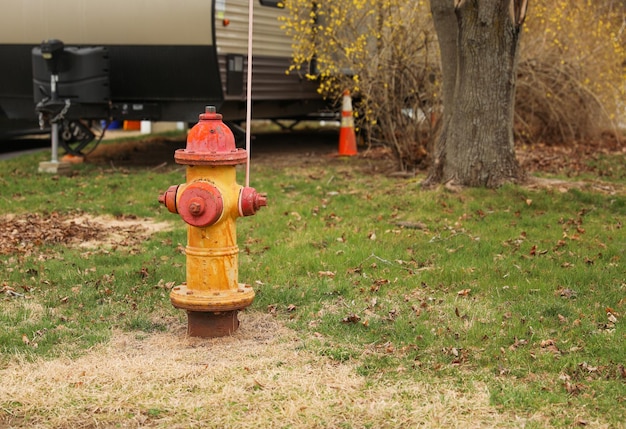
{"type": "Point", "coordinates": [149, 152]}
{"type": "Point", "coordinates": [276, 148]}
{"type": "Point", "coordinates": [25, 234]}
{"type": "Point", "coordinates": [306, 147]}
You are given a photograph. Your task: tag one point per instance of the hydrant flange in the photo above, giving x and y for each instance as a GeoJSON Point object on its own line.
{"type": "Point", "coordinates": [217, 301]}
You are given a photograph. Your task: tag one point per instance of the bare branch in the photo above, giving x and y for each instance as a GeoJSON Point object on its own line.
{"type": "Point", "coordinates": [517, 10]}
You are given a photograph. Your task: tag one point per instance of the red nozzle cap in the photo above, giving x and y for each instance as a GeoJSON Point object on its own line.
{"type": "Point", "coordinates": [250, 201]}
{"type": "Point", "coordinates": [169, 198]}
{"type": "Point", "coordinates": [200, 204]}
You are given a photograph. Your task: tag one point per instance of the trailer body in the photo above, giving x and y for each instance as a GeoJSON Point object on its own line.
{"type": "Point", "coordinates": [155, 60]}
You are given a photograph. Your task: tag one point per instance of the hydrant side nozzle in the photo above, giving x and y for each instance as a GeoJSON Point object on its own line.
{"type": "Point", "coordinates": [250, 201]}
{"type": "Point", "coordinates": [169, 198]}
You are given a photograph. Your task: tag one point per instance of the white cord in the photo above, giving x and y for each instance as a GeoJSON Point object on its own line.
{"type": "Point", "coordinates": [249, 89]}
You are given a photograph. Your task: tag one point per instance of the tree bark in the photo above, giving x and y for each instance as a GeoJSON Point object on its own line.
{"type": "Point", "coordinates": [445, 23]}
{"type": "Point", "coordinates": [475, 147]}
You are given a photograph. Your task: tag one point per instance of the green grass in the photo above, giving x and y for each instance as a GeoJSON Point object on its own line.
{"type": "Point", "coordinates": [509, 287]}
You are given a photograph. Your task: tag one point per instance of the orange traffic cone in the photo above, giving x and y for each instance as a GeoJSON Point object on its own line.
{"type": "Point", "coordinates": [347, 136]}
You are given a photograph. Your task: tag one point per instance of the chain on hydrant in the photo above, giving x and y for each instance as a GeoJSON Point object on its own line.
{"type": "Point", "coordinates": [209, 202]}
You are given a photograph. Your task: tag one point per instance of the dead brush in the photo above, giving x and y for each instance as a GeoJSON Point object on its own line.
{"type": "Point", "coordinates": [554, 106]}
{"type": "Point", "coordinates": [570, 83]}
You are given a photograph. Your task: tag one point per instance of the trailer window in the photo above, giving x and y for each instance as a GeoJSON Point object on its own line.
{"type": "Point", "coordinates": [273, 3]}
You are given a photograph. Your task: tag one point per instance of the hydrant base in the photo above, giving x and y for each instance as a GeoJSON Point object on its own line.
{"type": "Point", "coordinates": [211, 325]}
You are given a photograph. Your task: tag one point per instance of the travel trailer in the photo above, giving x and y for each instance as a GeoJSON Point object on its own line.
{"type": "Point", "coordinates": [156, 60]}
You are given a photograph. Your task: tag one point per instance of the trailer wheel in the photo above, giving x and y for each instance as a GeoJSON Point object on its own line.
{"type": "Point", "coordinates": [77, 138]}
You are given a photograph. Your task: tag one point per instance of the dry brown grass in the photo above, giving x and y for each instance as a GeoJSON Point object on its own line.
{"type": "Point", "coordinates": [263, 376]}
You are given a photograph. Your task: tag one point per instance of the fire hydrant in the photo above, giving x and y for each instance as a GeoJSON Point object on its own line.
{"type": "Point", "coordinates": [209, 202]}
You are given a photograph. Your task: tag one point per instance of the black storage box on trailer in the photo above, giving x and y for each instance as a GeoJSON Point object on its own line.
{"type": "Point", "coordinates": [83, 75]}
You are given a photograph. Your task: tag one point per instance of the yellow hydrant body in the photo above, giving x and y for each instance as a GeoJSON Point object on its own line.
{"type": "Point", "coordinates": [210, 202]}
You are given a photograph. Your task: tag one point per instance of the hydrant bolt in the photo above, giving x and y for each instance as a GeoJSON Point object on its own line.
{"type": "Point", "coordinates": [196, 206]}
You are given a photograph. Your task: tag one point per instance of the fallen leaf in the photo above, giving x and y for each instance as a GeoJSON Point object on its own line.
{"type": "Point", "coordinates": [326, 274]}
{"type": "Point", "coordinates": [412, 225]}
{"type": "Point", "coordinates": [503, 371]}
{"type": "Point", "coordinates": [517, 343]}
{"type": "Point", "coordinates": [550, 346]}
{"type": "Point", "coordinates": [585, 366]}
{"type": "Point", "coordinates": [573, 388]}
{"type": "Point", "coordinates": [296, 215]}
{"type": "Point", "coordinates": [464, 292]}
{"type": "Point", "coordinates": [393, 314]}
{"type": "Point", "coordinates": [351, 318]}
{"type": "Point", "coordinates": [566, 293]}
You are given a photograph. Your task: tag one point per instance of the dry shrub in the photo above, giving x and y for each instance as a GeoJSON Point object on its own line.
{"type": "Point", "coordinates": [570, 74]}
{"type": "Point", "coordinates": [553, 106]}
{"type": "Point", "coordinates": [385, 53]}
{"type": "Point", "coordinates": [397, 95]}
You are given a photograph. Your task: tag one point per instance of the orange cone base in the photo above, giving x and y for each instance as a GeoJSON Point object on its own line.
{"type": "Point", "coordinates": [347, 142]}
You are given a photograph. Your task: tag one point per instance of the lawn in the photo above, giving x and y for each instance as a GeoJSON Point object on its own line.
{"type": "Point", "coordinates": [378, 303]}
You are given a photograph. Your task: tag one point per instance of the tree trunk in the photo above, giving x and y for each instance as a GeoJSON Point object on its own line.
{"type": "Point", "coordinates": [475, 147]}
